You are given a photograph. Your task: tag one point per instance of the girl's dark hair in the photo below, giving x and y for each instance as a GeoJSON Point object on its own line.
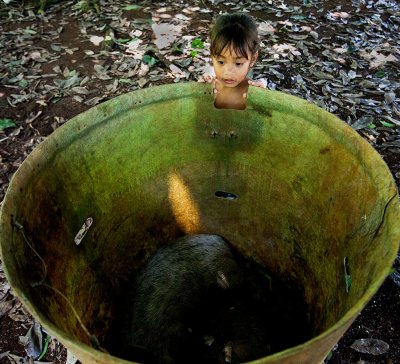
{"type": "Point", "coordinates": [238, 31]}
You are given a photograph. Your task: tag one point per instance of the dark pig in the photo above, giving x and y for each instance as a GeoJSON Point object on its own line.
{"type": "Point", "coordinates": [181, 294]}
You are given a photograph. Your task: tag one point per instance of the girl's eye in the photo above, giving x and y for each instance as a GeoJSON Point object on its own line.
{"type": "Point", "coordinates": [239, 64]}
{"type": "Point", "coordinates": [221, 62]}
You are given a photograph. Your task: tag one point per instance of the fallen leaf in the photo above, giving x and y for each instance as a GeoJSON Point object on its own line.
{"type": "Point", "coordinates": [284, 50]}
{"type": "Point", "coordinates": [370, 346]}
{"type": "Point", "coordinates": [33, 341]}
{"type": "Point", "coordinates": [131, 7]}
{"type": "Point", "coordinates": [5, 307]}
{"type": "Point", "coordinates": [165, 34]}
{"type": "Point", "coordinates": [7, 123]}
{"type": "Point", "coordinates": [377, 59]}
{"type": "Point", "coordinates": [323, 75]}
{"type": "Point", "coordinates": [197, 43]}
{"type": "Point", "coordinates": [387, 125]}
{"type": "Point", "coordinates": [362, 122]}
{"type": "Point", "coordinates": [80, 90]}
{"type": "Point", "coordinates": [149, 60]}
{"type": "Point", "coordinates": [340, 14]}
{"type": "Point", "coordinates": [142, 81]}
{"type": "Point", "coordinates": [94, 101]}
{"type": "Point", "coordinates": [96, 40]}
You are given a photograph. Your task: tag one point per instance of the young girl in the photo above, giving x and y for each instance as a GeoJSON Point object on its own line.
{"type": "Point", "coordinates": [234, 50]}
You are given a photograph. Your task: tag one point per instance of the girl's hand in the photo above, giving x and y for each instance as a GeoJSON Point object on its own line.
{"type": "Point", "coordinates": [259, 83]}
{"type": "Point", "coordinates": [214, 82]}
{"type": "Point", "coordinates": [216, 85]}
{"type": "Point", "coordinates": [205, 78]}
{"type": "Point", "coordinates": [209, 79]}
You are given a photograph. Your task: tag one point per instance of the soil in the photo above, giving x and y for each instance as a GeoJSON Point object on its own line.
{"type": "Point", "coordinates": [381, 317]}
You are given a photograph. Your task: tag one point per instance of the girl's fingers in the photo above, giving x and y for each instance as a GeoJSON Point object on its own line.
{"type": "Point", "coordinates": [214, 85]}
{"type": "Point", "coordinates": [205, 78]}
{"type": "Point", "coordinates": [208, 78]}
{"type": "Point", "coordinates": [259, 83]}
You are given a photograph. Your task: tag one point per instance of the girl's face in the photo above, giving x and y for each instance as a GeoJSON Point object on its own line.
{"type": "Point", "coordinates": [231, 69]}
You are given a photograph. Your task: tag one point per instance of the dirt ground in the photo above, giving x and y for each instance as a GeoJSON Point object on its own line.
{"type": "Point", "coordinates": [51, 69]}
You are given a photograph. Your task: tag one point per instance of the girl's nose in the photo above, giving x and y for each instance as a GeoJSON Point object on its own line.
{"type": "Point", "coordinates": [229, 69]}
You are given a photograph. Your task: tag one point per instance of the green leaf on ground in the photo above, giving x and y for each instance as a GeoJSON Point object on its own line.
{"type": "Point", "coordinates": [29, 31]}
{"type": "Point", "coordinates": [7, 123]}
{"type": "Point", "coordinates": [55, 47]}
{"type": "Point", "coordinates": [197, 43]}
{"type": "Point", "coordinates": [298, 17]}
{"type": "Point", "coordinates": [351, 49]}
{"type": "Point", "coordinates": [23, 83]}
{"type": "Point", "coordinates": [131, 7]}
{"type": "Point", "coordinates": [151, 61]}
{"type": "Point", "coordinates": [55, 100]}
{"type": "Point", "coordinates": [124, 40]}
{"type": "Point", "coordinates": [388, 125]}
{"type": "Point", "coordinates": [372, 126]}
{"type": "Point", "coordinates": [193, 53]}
{"type": "Point", "coordinates": [45, 347]}
{"type": "Point", "coordinates": [380, 74]}
{"type": "Point", "coordinates": [125, 80]}
{"type": "Point", "coordinates": [72, 73]}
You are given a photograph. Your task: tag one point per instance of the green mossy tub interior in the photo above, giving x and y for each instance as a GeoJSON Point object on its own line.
{"type": "Point", "coordinates": [155, 164]}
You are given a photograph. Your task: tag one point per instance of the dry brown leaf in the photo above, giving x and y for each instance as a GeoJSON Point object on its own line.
{"type": "Point", "coordinates": [6, 306]}
{"type": "Point", "coordinates": [377, 59]}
